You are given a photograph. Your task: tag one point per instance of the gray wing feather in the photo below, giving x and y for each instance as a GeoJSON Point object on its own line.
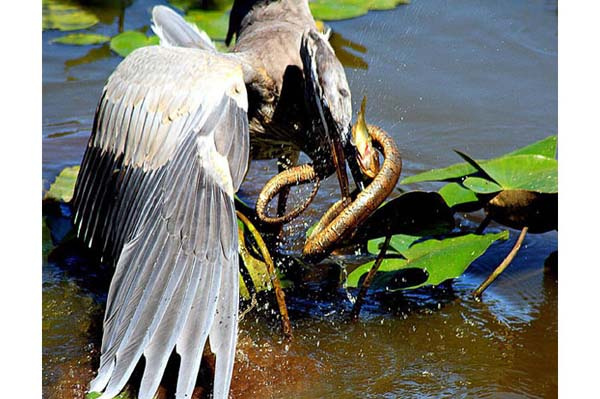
{"type": "Point", "coordinates": [234, 150]}
{"type": "Point", "coordinates": [223, 332]}
{"type": "Point", "coordinates": [160, 210]}
{"type": "Point", "coordinates": [173, 30]}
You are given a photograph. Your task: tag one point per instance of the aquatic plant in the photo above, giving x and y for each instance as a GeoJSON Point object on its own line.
{"type": "Point", "coordinates": [214, 20]}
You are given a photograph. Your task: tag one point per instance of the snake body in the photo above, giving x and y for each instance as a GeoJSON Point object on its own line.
{"type": "Point", "coordinates": [339, 221]}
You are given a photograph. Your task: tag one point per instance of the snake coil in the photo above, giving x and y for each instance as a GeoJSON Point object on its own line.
{"type": "Point", "coordinates": [338, 221]}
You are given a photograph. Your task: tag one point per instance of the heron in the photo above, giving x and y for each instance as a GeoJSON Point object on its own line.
{"type": "Point", "coordinates": [173, 132]}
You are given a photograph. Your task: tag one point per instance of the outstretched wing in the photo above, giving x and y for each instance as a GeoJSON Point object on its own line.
{"type": "Point", "coordinates": [169, 148]}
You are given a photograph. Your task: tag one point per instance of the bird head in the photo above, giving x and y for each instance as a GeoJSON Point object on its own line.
{"type": "Point", "coordinates": [329, 102]}
{"type": "Point", "coordinates": [327, 96]}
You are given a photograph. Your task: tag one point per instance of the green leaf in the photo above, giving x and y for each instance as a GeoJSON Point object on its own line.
{"type": "Point", "coordinates": [66, 16]}
{"type": "Point", "coordinates": [64, 185]}
{"type": "Point", "coordinates": [244, 293]}
{"type": "Point", "coordinates": [432, 262]}
{"type": "Point", "coordinates": [385, 4]}
{"type": "Point", "coordinates": [257, 269]}
{"type": "Point", "coordinates": [481, 185]}
{"type": "Point", "coordinates": [82, 39]}
{"type": "Point", "coordinates": [524, 172]}
{"type": "Point", "coordinates": [331, 10]}
{"type": "Point", "coordinates": [382, 4]}
{"type": "Point", "coordinates": [124, 43]}
{"type": "Point", "coordinates": [122, 395]}
{"type": "Point", "coordinates": [448, 173]}
{"type": "Point", "coordinates": [398, 244]}
{"type": "Point", "coordinates": [311, 229]}
{"type": "Point", "coordinates": [455, 194]}
{"type": "Point", "coordinates": [214, 23]}
{"type": "Point", "coordinates": [545, 147]}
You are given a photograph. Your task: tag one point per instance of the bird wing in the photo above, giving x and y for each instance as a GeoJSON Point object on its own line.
{"type": "Point", "coordinates": [169, 147]}
{"type": "Point", "coordinates": [173, 30]}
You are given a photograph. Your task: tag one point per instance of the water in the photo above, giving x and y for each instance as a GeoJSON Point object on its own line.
{"type": "Point", "coordinates": [476, 76]}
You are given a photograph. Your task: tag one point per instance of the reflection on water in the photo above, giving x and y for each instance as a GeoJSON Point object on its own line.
{"type": "Point", "coordinates": [345, 50]}
{"type": "Point", "coordinates": [93, 55]}
{"type": "Point", "coordinates": [476, 76]}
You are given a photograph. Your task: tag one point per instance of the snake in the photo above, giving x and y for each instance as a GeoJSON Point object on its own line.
{"type": "Point", "coordinates": [340, 220]}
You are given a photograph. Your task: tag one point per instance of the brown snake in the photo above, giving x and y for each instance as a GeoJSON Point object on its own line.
{"type": "Point", "coordinates": [338, 221]}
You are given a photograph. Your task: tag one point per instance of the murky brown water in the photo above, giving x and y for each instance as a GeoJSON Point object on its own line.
{"type": "Point", "coordinates": [470, 75]}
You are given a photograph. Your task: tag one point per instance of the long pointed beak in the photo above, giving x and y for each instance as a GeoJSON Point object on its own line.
{"type": "Point", "coordinates": [339, 161]}
{"type": "Point", "coordinates": [352, 157]}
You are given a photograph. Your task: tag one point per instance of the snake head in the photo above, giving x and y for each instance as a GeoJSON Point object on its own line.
{"type": "Point", "coordinates": [368, 158]}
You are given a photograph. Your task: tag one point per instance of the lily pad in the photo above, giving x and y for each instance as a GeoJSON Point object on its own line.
{"type": "Point", "coordinates": [480, 185]}
{"type": "Point", "coordinates": [457, 195]}
{"type": "Point", "coordinates": [545, 147]}
{"type": "Point", "coordinates": [385, 4]}
{"type": "Point", "coordinates": [398, 244]}
{"type": "Point", "coordinates": [214, 23]}
{"type": "Point", "coordinates": [63, 186]}
{"type": "Point", "coordinates": [66, 16]}
{"type": "Point", "coordinates": [449, 173]}
{"type": "Point", "coordinates": [82, 39]}
{"type": "Point", "coordinates": [524, 172]}
{"type": "Point", "coordinates": [331, 10]}
{"type": "Point", "coordinates": [519, 172]}
{"type": "Point", "coordinates": [124, 43]}
{"type": "Point", "coordinates": [433, 261]}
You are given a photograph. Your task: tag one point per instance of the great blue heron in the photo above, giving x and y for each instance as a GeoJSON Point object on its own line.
{"type": "Point", "coordinates": [168, 150]}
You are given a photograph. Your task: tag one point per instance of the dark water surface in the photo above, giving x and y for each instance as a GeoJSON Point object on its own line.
{"type": "Point", "coordinates": [470, 75]}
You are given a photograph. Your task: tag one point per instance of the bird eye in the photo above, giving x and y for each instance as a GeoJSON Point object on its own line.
{"type": "Point", "coordinates": [344, 92]}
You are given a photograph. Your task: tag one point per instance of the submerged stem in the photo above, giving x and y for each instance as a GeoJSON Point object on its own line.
{"type": "Point", "coordinates": [286, 326]}
{"type": "Point", "coordinates": [511, 255]}
{"type": "Point", "coordinates": [368, 280]}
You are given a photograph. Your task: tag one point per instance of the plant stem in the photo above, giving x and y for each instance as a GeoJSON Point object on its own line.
{"type": "Point", "coordinates": [511, 255]}
{"type": "Point", "coordinates": [286, 326]}
{"type": "Point", "coordinates": [484, 223]}
{"type": "Point", "coordinates": [368, 280]}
